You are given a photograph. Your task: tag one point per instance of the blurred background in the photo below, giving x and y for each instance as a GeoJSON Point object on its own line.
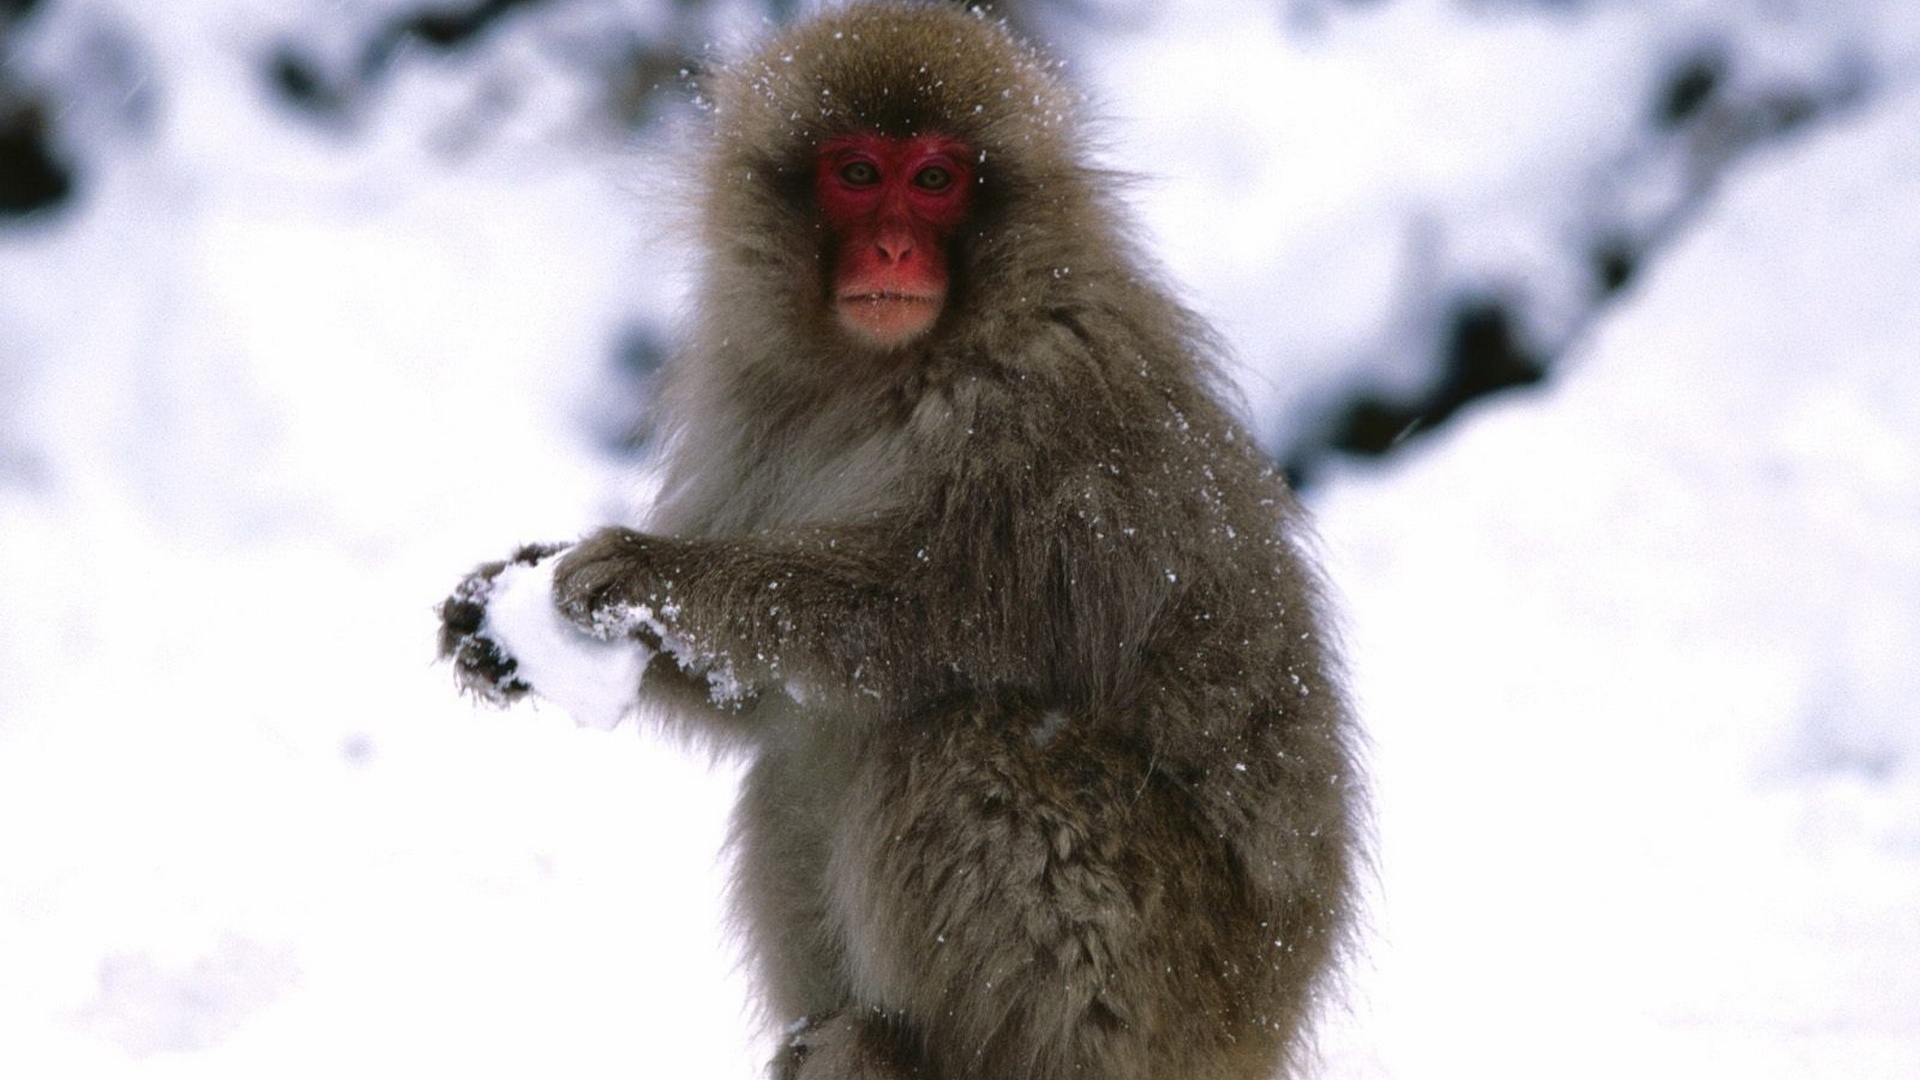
{"type": "Point", "coordinates": [1590, 330]}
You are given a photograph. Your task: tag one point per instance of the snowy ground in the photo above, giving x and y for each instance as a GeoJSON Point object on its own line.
{"type": "Point", "coordinates": [1635, 653]}
{"type": "Point", "coordinates": [1638, 659]}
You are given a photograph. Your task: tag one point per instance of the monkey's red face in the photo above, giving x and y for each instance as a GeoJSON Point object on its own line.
{"type": "Point", "coordinates": [893, 205]}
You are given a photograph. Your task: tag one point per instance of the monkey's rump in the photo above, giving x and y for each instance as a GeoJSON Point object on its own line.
{"type": "Point", "coordinates": [1033, 907]}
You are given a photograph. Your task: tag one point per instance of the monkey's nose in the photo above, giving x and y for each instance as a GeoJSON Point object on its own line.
{"type": "Point", "coordinates": [895, 248]}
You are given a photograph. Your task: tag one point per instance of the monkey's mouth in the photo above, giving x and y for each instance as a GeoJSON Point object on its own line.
{"type": "Point", "coordinates": [889, 297]}
{"type": "Point", "coordinates": [886, 317]}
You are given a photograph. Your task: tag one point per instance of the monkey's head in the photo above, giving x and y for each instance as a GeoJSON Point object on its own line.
{"type": "Point", "coordinates": [868, 166]}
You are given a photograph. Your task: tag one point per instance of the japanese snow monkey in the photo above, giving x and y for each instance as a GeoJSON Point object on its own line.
{"type": "Point", "coordinates": [1051, 769]}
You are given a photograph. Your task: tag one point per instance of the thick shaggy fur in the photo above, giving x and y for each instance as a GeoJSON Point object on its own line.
{"type": "Point", "coordinates": [1051, 764]}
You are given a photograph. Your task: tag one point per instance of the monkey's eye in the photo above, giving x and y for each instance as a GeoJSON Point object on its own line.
{"type": "Point", "coordinates": [859, 173]}
{"type": "Point", "coordinates": [933, 178]}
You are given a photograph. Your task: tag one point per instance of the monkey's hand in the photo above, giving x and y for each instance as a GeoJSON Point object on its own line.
{"type": "Point", "coordinates": [605, 585]}
{"type": "Point", "coordinates": [481, 666]}
{"type": "Point", "coordinates": [507, 638]}
{"type": "Point", "coordinates": [619, 586]}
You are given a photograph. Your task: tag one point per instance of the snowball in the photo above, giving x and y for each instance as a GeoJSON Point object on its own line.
{"type": "Point", "coordinates": [595, 681]}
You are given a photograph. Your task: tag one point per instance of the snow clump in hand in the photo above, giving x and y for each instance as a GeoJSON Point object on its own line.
{"type": "Point", "coordinates": [595, 680]}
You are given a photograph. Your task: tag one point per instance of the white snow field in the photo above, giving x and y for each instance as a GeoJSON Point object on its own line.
{"type": "Point", "coordinates": [1638, 660]}
{"type": "Point", "coordinates": [1635, 652]}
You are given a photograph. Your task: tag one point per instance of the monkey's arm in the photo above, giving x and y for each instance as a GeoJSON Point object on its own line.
{"type": "Point", "coordinates": [803, 610]}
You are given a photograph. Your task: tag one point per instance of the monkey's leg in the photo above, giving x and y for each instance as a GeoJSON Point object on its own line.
{"type": "Point", "coordinates": [789, 804]}
{"type": "Point", "coordinates": [1033, 899]}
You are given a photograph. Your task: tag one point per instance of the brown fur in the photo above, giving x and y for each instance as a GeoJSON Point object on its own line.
{"type": "Point", "coordinates": [1051, 769]}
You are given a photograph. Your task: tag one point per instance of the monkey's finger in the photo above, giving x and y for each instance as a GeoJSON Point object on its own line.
{"type": "Point", "coordinates": [458, 618]}
{"type": "Point", "coordinates": [484, 670]}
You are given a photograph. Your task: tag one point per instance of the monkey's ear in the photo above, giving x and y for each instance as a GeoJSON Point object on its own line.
{"type": "Point", "coordinates": [793, 184]}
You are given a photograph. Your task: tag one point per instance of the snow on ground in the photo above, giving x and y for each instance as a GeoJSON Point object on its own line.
{"type": "Point", "coordinates": [1635, 654]}
{"type": "Point", "coordinates": [268, 400]}
{"type": "Point", "coordinates": [1403, 155]}
{"type": "Point", "coordinates": [1637, 658]}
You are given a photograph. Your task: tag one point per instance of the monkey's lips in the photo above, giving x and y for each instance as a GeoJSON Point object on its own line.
{"type": "Point", "coordinates": [886, 317]}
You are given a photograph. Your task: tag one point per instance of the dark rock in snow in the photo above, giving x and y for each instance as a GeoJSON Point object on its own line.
{"type": "Point", "coordinates": [32, 177]}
